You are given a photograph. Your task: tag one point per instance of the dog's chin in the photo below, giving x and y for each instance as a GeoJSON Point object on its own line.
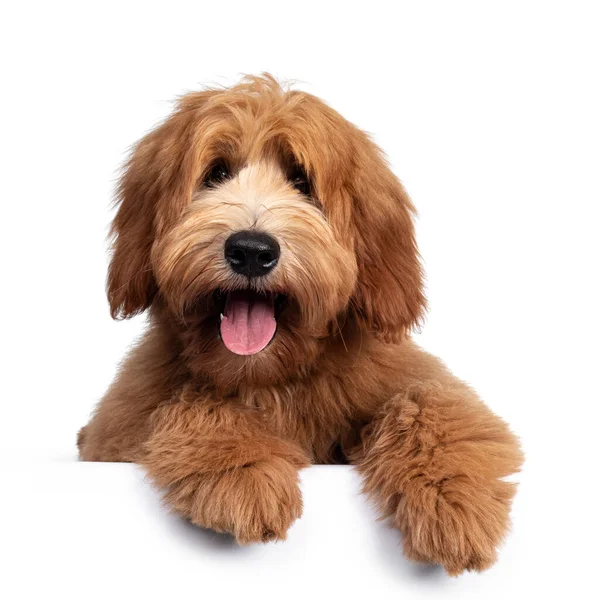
{"type": "Point", "coordinates": [248, 319]}
{"type": "Point", "coordinates": [244, 336]}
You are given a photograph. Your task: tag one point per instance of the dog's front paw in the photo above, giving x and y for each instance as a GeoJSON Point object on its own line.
{"type": "Point", "coordinates": [255, 503]}
{"type": "Point", "coordinates": [455, 522]}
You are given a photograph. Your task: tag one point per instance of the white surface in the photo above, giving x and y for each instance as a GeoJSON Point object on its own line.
{"type": "Point", "coordinates": [488, 112]}
{"type": "Point", "coordinates": [93, 530]}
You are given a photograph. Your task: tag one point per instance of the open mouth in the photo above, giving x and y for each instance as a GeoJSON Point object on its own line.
{"type": "Point", "coordinates": [249, 320]}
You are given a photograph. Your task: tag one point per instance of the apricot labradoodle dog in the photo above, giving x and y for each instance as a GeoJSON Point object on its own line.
{"type": "Point", "coordinates": [275, 253]}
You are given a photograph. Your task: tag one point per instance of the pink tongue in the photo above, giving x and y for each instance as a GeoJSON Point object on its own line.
{"type": "Point", "coordinates": [248, 323]}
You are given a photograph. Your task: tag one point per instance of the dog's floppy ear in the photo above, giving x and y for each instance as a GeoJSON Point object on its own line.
{"type": "Point", "coordinates": [389, 294]}
{"type": "Point", "coordinates": [130, 284]}
{"type": "Point", "coordinates": [157, 181]}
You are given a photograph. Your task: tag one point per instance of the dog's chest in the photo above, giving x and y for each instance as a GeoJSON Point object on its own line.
{"type": "Point", "coordinates": [316, 413]}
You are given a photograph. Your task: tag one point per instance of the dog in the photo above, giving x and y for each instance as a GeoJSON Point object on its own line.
{"type": "Point", "coordinates": [275, 253]}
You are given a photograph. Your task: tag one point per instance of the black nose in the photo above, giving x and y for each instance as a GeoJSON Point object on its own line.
{"type": "Point", "coordinates": [251, 253]}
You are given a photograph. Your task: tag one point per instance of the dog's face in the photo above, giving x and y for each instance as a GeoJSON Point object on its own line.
{"type": "Point", "coordinates": [259, 220]}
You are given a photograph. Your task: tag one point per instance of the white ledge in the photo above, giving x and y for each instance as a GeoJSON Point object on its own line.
{"type": "Point", "coordinates": [85, 530]}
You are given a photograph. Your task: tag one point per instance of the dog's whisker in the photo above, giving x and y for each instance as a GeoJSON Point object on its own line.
{"type": "Point", "coordinates": [341, 335]}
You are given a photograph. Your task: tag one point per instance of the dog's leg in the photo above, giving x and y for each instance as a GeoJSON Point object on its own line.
{"type": "Point", "coordinates": [433, 459]}
{"type": "Point", "coordinates": [221, 468]}
{"type": "Point", "coordinates": [120, 423]}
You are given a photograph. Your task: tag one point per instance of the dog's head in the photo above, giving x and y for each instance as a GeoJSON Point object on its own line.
{"type": "Point", "coordinates": [259, 219]}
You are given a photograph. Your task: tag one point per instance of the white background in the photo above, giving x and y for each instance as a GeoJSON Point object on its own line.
{"type": "Point", "coordinates": [489, 113]}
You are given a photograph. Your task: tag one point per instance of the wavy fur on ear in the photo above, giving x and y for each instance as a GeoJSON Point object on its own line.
{"type": "Point", "coordinates": [389, 294]}
{"type": "Point", "coordinates": [157, 180]}
{"type": "Point", "coordinates": [130, 284]}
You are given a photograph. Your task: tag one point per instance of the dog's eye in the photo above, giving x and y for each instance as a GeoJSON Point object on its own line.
{"type": "Point", "coordinates": [217, 174]}
{"type": "Point", "coordinates": [299, 180]}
